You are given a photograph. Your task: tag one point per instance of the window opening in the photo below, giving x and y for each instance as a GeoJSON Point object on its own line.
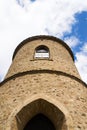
{"type": "Point", "coordinates": [42, 52]}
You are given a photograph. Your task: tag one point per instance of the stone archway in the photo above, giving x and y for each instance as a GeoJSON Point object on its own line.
{"type": "Point", "coordinates": [49, 110]}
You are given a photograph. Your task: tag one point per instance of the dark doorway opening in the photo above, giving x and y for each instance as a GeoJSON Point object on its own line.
{"type": "Point", "coordinates": [39, 122]}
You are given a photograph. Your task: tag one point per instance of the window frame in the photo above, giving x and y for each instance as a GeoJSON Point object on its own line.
{"type": "Point", "coordinates": [46, 51]}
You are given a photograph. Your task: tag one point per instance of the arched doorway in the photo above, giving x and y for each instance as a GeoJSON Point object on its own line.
{"type": "Point", "coordinates": [49, 112]}
{"type": "Point", "coordinates": [39, 122]}
{"type": "Point", "coordinates": [60, 119]}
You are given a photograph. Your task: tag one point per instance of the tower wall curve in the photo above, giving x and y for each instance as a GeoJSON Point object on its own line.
{"type": "Point", "coordinates": [60, 56]}
{"type": "Point", "coordinates": [43, 79]}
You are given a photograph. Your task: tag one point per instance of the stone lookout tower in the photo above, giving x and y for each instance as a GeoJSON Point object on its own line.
{"type": "Point", "coordinates": [42, 89]}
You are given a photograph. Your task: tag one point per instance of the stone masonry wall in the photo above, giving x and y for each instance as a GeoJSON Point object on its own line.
{"type": "Point", "coordinates": [54, 83]}
{"type": "Point", "coordinates": [59, 60]}
{"type": "Point", "coordinates": [70, 93]}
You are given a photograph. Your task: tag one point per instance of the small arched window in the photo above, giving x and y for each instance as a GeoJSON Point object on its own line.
{"type": "Point", "coordinates": [42, 52]}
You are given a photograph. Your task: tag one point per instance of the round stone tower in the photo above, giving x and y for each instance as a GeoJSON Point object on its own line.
{"type": "Point", "coordinates": [43, 89]}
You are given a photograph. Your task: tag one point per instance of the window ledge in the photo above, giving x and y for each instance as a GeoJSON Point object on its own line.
{"type": "Point", "coordinates": [41, 59]}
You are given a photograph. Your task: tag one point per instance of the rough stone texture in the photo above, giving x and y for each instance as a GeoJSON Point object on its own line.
{"type": "Point", "coordinates": [60, 59]}
{"type": "Point", "coordinates": [57, 92]}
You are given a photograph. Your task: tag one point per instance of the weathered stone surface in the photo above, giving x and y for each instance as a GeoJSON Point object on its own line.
{"type": "Point", "coordinates": [49, 86]}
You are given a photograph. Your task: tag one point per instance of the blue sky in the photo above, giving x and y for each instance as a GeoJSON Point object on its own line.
{"type": "Point", "coordinates": [65, 19]}
{"type": "Point", "coordinates": [79, 31]}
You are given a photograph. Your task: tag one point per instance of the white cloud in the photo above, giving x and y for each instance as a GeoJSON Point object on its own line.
{"type": "Point", "coordinates": [81, 62]}
{"type": "Point", "coordinates": [17, 22]}
{"type": "Point", "coordinates": [84, 48]}
{"type": "Point", "coordinates": [72, 41]}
